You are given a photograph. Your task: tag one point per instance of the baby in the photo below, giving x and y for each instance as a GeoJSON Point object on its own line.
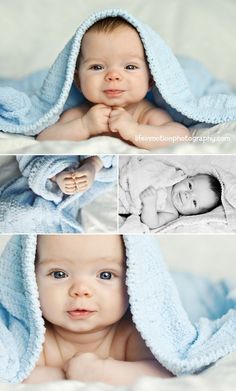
{"type": "Point", "coordinates": [79, 179]}
{"type": "Point", "coordinates": [112, 74]}
{"type": "Point", "coordinates": [89, 334]}
{"type": "Point", "coordinates": [193, 195]}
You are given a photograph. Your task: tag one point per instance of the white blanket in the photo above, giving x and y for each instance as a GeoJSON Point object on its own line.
{"type": "Point", "coordinates": [217, 139]}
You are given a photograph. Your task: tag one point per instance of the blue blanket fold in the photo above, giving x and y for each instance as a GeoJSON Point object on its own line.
{"type": "Point", "coordinates": [182, 86]}
{"type": "Point", "coordinates": [32, 203]}
{"type": "Point", "coordinates": [187, 321]}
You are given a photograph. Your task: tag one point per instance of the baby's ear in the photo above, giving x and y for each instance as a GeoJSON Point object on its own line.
{"type": "Point", "coordinates": [76, 78]}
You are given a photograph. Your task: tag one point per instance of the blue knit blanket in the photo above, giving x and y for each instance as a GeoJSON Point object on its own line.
{"type": "Point", "coordinates": [181, 86]}
{"type": "Point", "coordinates": [188, 322]}
{"type": "Point", "coordinates": [32, 203]}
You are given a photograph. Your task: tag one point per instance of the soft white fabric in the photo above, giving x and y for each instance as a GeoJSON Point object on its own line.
{"type": "Point", "coordinates": [221, 377]}
{"type": "Point", "coordinates": [217, 139]}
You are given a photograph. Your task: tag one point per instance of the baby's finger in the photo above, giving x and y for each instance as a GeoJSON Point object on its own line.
{"type": "Point", "coordinates": [69, 181]}
{"type": "Point", "coordinates": [69, 192]}
{"type": "Point", "coordinates": [71, 184]}
{"type": "Point", "coordinates": [83, 188]}
{"type": "Point", "coordinates": [80, 176]}
{"type": "Point", "coordinates": [82, 180]}
{"type": "Point", "coordinates": [68, 174]}
{"type": "Point", "coordinates": [117, 109]}
{"type": "Point", "coordinates": [70, 189]}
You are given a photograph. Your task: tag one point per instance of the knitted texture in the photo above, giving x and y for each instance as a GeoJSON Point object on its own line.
{"type": "Point", "coordinates": [186, 329]}
{"type": "Point", "coordinates": [183, 87]}
{"type": "Point", "coordinates": [32, 203]}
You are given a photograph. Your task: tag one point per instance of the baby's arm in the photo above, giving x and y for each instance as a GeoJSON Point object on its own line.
{"type": "Point", "coordinates": [149, 214]}
{"type": "Point", "coordinates": [65, 182]}
{"type": "Point", "coordinates": [155, 130]}
{"type": "Point", "coordinates": [139, 362]}
{"type": "Point", "coordinates": [78, 124]}
{"type": "Point", "coordinates": [44, 374]}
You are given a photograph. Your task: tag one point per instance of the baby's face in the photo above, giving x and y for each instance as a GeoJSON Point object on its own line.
{"type": "Point", "coordinates": [112, 69]}
{"type": "Point", "coordinates": [81, 281]}
{"type": "Point", "coordinates": [193, 195]}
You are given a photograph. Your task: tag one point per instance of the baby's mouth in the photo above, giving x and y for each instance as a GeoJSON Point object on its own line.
{"type": "Point", "coordinates": [113, 92]}
{"type": "Point", "coordinates": [80, 313]}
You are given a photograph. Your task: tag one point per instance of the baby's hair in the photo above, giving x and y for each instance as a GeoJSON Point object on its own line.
{"type": "Point", "coordinates": [108, 25]}
{"type": "Point", "coordinates": [36, 254]}
{"type": "Point", "coordinates": [215, 186]}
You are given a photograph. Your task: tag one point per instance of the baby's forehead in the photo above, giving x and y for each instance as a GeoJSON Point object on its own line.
{"type": "Point", "coordinates": [199, 178]}
{"type": "Point", "coordinates": [90, 249]}
{"type": "Point", "coordinates": [131, 36]}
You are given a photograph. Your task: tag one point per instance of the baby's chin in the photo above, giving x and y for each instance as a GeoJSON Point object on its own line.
{"type": "Point", "coordinates": [113, 102]}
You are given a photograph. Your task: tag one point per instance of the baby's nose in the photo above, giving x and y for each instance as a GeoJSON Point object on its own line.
{"type": "Point", "coordinates": [187, 195]}
{"type": "Point", "coordinates": [80, 289]}
{"type": "Point", "coordinates": [112, 76]}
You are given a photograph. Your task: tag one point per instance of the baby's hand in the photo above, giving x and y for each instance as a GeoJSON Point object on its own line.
{"type": "Point", "coordinates": [148, 194]}
{"type": "Point", "coordinates": [66, 182]}
{"type": "Point", "coordinates": [84, 176]}
{"type": "Point", "coordinates": [122, 122]}
{"type": "Point", "coordinates": [95, 121]}
{"type": "Point", "coordinates": [84, 367]}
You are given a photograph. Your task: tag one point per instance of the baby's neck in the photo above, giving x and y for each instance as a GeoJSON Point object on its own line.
{"type": "Point", "coordinates": [91, 341]}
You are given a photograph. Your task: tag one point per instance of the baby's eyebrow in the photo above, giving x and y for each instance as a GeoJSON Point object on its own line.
{"type": "Point", "coordinates": [53, 261]}
{"type": "Point", "coordinates": [128, 58]}
{"type": "Point", "coordinates": [92, 59]}
{"type": "Point", "coordinates": [108, 261]}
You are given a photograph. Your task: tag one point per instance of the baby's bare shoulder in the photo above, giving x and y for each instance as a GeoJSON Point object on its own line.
{"type": "Point", "coordinates": [128, 344]}
{"type": "Point", "coordinates": [152, 115]}
{"type": "Point", "coordinates": [123, 331]}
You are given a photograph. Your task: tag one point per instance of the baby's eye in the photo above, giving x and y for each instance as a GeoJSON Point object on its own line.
{"type": "Point", "coordinates": [105, 275]}
{"type": "Point", "coordinates": [195, 203]}
{"type": "Point", "coordinates": [190, 186]}
{"type": "Point", "coordinates": [131, 67]}
{"type": "Point", "coordinates": [58, 274]}
{"type": "Point", "coordinates": [96, 67]}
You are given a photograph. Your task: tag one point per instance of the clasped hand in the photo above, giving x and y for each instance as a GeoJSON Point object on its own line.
{"type": "Point", "coordinates": [148, 195]}
{"type": "Point", "coordinates": [103, 119]}
{"type": "Point", "coordinates": [84, 367]}
{"type": "Point", "coordinates": [80, 180]}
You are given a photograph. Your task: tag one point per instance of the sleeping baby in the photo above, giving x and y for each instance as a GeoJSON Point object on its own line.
{"type": "Point", "coordinates": [191, 196]}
